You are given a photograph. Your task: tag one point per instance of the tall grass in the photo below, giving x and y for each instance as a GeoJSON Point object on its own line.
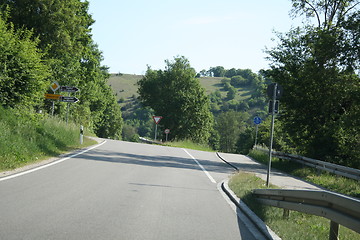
{"type": "Point", "coordinates": [26, 138]}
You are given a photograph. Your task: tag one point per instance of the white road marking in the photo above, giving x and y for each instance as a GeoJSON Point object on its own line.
{"type": "Point", "coordinates": [202, 168]}
{"type": "Point", "coordinates": [50, 164]}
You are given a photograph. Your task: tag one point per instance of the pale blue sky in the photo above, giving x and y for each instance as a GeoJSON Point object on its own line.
{"type": "Point", "coordinates": [230, 33]}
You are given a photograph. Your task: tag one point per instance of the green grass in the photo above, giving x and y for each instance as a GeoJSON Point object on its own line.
{"type": "Point", "coordinates": [296, 226]}
{"type": "Point", "coordinates": [25, 140]}
{"type": "Point", "coordinates": [124, 86]}
{"type": "Point", "coordinates": [190, 145]}
{"type": "Point", "coordinates": [326, 180]}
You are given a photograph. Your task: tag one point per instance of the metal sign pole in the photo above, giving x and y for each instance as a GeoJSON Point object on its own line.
{"type": "Point", "coordinates": [67, 110]}
{"type": "Point", "coordinates": [155, 131]}
{"type": "Point", "coordinates": [271, 135]}
{"type": "Point", "coordinates": [53, 107]}
{"type": "Point", "coordinates": [256, 134]}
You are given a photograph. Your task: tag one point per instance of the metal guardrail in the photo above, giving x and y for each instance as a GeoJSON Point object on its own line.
{"type": "Point", "coordinates": [150, 141]}
{"type": "Point", "coordinates": [338, 208]}
{"type": "Point", "coordinates": [317, 164]}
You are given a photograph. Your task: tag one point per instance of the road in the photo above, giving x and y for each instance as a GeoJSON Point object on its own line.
{"type": "Point", "coordinates": [122, 190]}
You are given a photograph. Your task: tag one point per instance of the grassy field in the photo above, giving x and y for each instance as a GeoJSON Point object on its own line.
{"type": "Point", "coordinates": [297, 226]}
{"type": "Point", "coordinates": [24, 140]}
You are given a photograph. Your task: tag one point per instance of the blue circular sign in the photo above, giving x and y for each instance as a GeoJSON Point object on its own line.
{"type": "Point", "coordinates": [257, 120]}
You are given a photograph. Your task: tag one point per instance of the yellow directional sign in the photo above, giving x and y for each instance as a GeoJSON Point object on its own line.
{"type": "Point", "coordinates": [53, 96]}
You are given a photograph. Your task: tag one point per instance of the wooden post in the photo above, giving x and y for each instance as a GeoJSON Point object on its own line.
{"type": "Point", "coordinates": [286, 213]}
{"type": "Point", "coordinates": [334, 231]}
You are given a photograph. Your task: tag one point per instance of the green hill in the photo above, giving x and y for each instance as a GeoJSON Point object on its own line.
{"type": "Point", "coordinates": [124, 85]}
{"type": "Point", "coordinates": [125, 88]}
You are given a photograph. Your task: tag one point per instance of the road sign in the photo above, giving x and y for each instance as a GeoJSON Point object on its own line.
{"type": "Point", "coordinates": [53, 96]}
{"type": "Point", "coordinates": [257, 120]}
{"type": "Point", "coordinates": [68, 89]}
{"type": "Point", "coordinates": [55, 86]}
{"type": "Point", "coordinates": [157, 119]}
{"type": "Point", "coordinates": [270, 91]}
{"type": "Point", "coordinates": [167, 131]}
{"type": "Point", "coordinates": [276, 110]}
{"type": "Point", "coordinates": [68, 99]}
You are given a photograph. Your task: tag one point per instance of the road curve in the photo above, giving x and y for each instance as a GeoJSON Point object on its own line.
{"type": "Point", "coordinates": [122, 190]}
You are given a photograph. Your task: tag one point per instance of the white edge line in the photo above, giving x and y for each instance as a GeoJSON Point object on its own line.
{"type": "Point", "coordinates": [50, 164]}
{"type": "Point", "coordinates": [202, 168]}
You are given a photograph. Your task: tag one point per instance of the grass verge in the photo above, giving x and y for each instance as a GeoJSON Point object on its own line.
{"type": "Point", "coordinates": [190, 145]}
{"type": "Point", "coordinates": [296, 226]}
{"type": "Point", "coordinates": [326, 180]}
{"type": "Point", "coordinates": [26, 140]}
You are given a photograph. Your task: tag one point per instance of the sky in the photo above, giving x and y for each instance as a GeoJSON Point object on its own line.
{"type": "Point", "coordinates": [134, 34]}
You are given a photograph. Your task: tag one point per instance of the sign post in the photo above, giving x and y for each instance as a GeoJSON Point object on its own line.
{"type": "Point", "coordinates": [257, 121]}
{"type": "Point", "coordinates": [68, 99]}
{"type": "Point", "coordinates": [54, 86]}
{"type": "Point", "coordinates": [167, 131]}
{"type": "Point", "coordinates": [274, 92]}
{"type": "Point", "coordinates": [156, 120]}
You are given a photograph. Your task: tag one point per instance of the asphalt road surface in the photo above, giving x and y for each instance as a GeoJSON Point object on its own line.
{"type": "Point", "coordinates": [122, 190]}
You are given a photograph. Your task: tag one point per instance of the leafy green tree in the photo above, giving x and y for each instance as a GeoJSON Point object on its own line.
{"type": "Point", "coordinates": [238, 81]}
{"type": "Point", "coordinates": [63, 30]}
{"type": "Point", "coordinates": [177, 95]}
{"type": "Point", "coordinates": [317, 68]}
{"type": "Point", "coordinates": [231, 93]}
{"type": "Point", "coordinates": [245, 141]}
{"type": "Point", "coordinates": [23, 75]}
{"type": "Point", "coordinates": [231, 73]}
{"type": "Point", "coordinates": [218, 71]}
{"type": "Point", "coordinates": [229, 124]}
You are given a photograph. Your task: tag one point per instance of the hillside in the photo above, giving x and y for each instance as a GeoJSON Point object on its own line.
{"type": "Point", "coordinates": [124, 87]}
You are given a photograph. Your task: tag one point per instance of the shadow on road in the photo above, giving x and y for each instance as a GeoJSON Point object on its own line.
{"type": "Point", "coordinates": [155, 161]}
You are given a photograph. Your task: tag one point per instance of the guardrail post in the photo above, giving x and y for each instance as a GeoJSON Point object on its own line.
{"type": "Point", "coordinates": [286, 213]}
{"type": "Point", "coordinates": [334, 231]}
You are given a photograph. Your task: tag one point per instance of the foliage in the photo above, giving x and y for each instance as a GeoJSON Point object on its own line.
{"type": "Point", "coordinates": [27, 138]}
{"type": "Point", "coordinates": [23, 75]}
{"type": "Point", "coordinates": [177, 95]}
{"type": "Point", "coordinates": [231, 93]}
{"type": "Point", "coordinates": [57, 46]}
{"type": "Point", "coordinates": [245, 141]}
{"type": "Point", "coordinates": [317, 68]}
{"type": "Point", "coordinates": [229, 125]}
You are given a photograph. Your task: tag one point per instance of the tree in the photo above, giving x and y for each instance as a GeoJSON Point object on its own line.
{"type": "Point", "coordinates": [63, 33]}
{"type": "Point", "coordinates": [229, 125]}
{"type": "Point", "coordinates": [177, 95]}
{"type": "Point", "coordinates": [231, 93]}
{"type": "Point", "coordinates": [317, 67]}
{"type": "Point", "coordinates": [238, 81]}
{"type": "Point", "coordinates": [218, 71]}
{"type": "Point", "coordinates": [23, 75]}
